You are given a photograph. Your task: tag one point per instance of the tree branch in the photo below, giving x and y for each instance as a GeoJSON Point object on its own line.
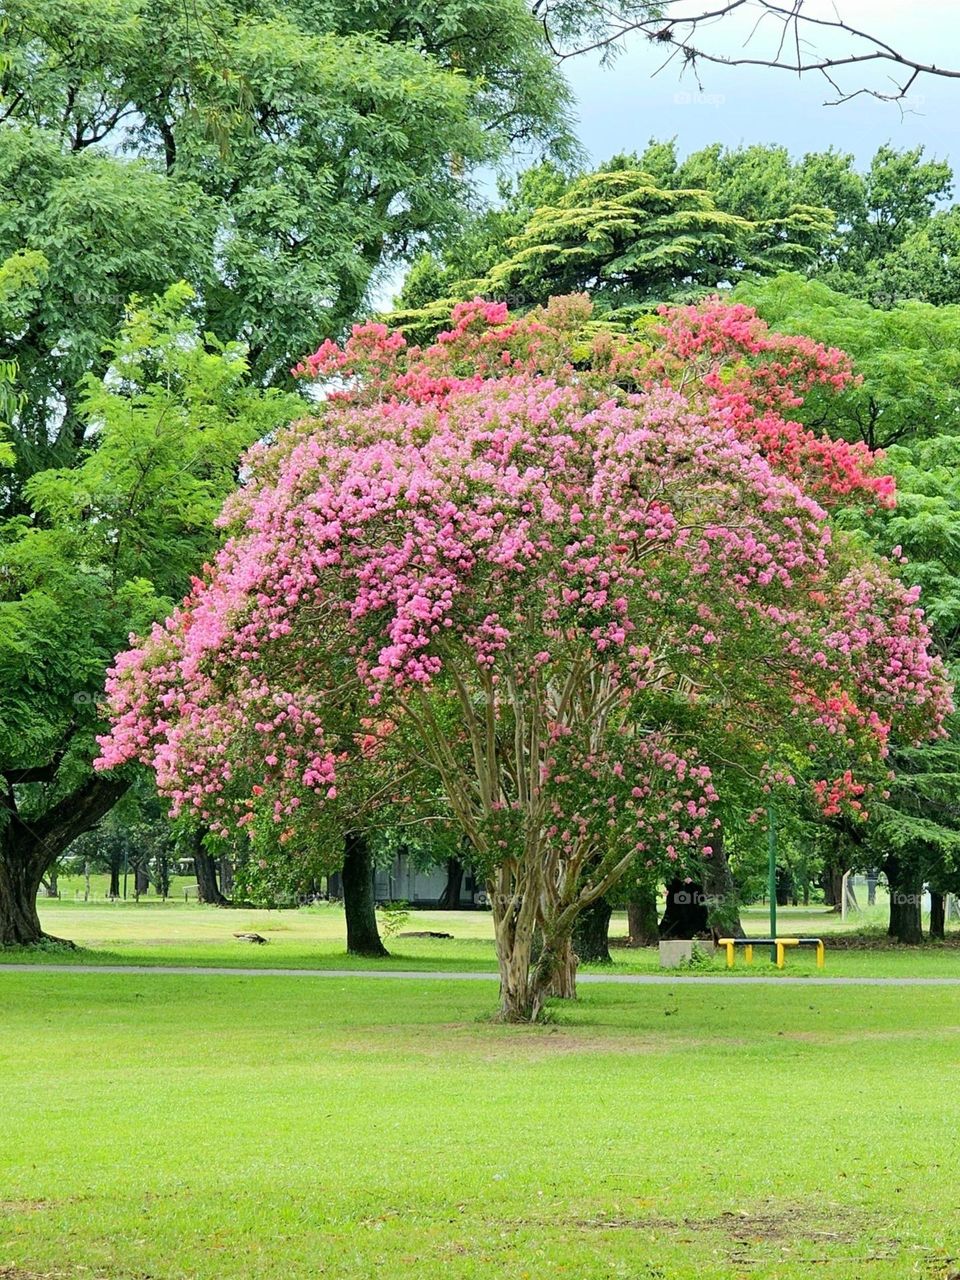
{"type": "Point", "coordinates": [684, 28]}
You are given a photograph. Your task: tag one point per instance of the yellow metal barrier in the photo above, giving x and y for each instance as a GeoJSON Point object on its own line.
{"type": "Point", "coordinates": [781, 944]}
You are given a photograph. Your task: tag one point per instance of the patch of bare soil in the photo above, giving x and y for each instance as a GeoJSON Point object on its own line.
{"type": "Point", "coordinates": [535, 1043]}
{"type": "Point", "coordinates": [17, 1273]}
{"type": "Point", "coordinates": [789, 1223]}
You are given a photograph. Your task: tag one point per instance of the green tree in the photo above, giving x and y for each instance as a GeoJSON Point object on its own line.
{"type": "Point", "coordinates": [907, 403]}
{"type": "Point", "coordinates": [105, 548]}
{"type": "Point", "coordinates": [925, 265]}
{"type": "Point", "coordinates": [277, 159]}
{"type": "Point", "coordinates": [873, 213]}
{"type": "Point", "coordinates": [908, 357]}
{"type": "Point", "coordinates": [617, 235]}
{"type": "Point", "coordinates": [655, 227]}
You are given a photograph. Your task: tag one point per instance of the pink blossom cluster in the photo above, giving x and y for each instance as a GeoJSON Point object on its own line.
{"type": "Point", "coordinates": [482, 530]}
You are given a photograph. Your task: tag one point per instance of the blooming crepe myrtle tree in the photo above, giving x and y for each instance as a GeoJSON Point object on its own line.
{"type": "Point", "coordinates": [546, 579]}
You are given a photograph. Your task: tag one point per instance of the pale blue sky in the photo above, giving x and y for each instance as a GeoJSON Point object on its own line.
{"type": "Point", "coordinates": [620, 107]}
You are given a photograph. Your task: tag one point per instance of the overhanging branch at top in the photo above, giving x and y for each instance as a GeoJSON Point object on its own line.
{"type": "Point", "coordinates": [785, 36]}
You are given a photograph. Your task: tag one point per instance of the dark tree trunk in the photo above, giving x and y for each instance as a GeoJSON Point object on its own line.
{"type": "Point", "coordinates": [832, 881]}
{"type": "Point", "coordinates": [27, 850]}
{"type": "Point", "coordinates": [785, 889]}
{"type": "Point", "coordinates": [115, 863]}
{"type": "Point", "coordinates": [141, 882]}
{"type": "Point", "coordinates": [163, 875]}
{"type": "Point", "coordinates": [686, 913]}
{"type": "Point", "coordinates": [450, 898]}
{"type": "Point", "coordinates": [19, 886]}
{"type": "Point", "coordinates": [555, 971]}
{"type": "Point", "coordinates": [938, 915]}
{"type": "Point", "coordinates": [590, 931]}
{"type": "Point", "coordinates": [906, 895]}
{"type": "Point", "coordinates": [363, 936]}
{"type": "Point", "coordinates": [642, 923]}
{"type": "Point", "coordinates": [50, 884]}
{"type": "Point", "coordinates": [723, 901]}
{"type": "Point", "coordinates": [208, 890]}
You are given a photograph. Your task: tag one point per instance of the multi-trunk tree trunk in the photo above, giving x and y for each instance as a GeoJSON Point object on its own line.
{"type": "Point", "coordinates": [534, 934]}
{"type": "Point", "coordinates": [539, 889]}
{"type": "Point", "coordinates": [359, 902]}
{"type": "Point", "coordinates": [28, 847]}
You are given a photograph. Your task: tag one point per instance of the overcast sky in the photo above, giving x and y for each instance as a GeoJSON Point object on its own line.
{"type": "Point", "coordinates": [622, 106]}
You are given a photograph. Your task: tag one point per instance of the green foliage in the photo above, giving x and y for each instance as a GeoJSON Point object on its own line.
{"type": "Point", "coordinates": [392, 917]}
{"type": "Point", "coordinates": [654, 227]}
{"type": "Point", "coordinates": [106, 546]}
{"type": "Point", "coordinates": [21, 277]}
{"type": "Point", "coordinates": [616, 234]}
{"type": "Point", "coordinates": [276, 157]}
{"type": "Point", "coordinates": [908, 403]}
{"type": "Point", "coordinates": [873, 212]}
{"type": "Point", "coordinates": [166, 427]}
{"type": "Point", "coordinates": [908, 357]}
{"type": "Point", "coordinates": [925, 265]}
{"type": "Point", "coordinates": [107, 228]}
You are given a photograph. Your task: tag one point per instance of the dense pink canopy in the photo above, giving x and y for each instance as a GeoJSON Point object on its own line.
{"type": "Point", "coordinates": [549, 578]}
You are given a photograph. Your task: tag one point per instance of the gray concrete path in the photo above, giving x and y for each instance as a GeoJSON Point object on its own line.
{"type": "Point", "coordinates": [441, 975]}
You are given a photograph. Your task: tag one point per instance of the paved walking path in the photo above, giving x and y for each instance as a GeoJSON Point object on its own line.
{"type": "Point", "coordinates": [445, 975]}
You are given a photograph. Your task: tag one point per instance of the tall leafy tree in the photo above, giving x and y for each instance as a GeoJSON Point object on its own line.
{"type": "Point", "coordinates": [618, 235]}
{"type": "Point", "coordinates": [908, 359]}
{"type": "Point", "coordinates": [906, 402]}
{"type": "Point", "coordinates": [689, 225]}
{"type": "Point", "coordinates": [278, 158]}
{"type": "Point", "coordinates": [103, 548]}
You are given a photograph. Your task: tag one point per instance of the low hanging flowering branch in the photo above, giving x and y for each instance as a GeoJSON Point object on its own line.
{"type": "Point", "coordinates": [498, 572]}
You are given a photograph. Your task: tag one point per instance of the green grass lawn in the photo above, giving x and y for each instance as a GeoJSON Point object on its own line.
{"type": "Point", "coordinates": [152, 932]}
{"type": "Point", "coordinates": [219, 1128]}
